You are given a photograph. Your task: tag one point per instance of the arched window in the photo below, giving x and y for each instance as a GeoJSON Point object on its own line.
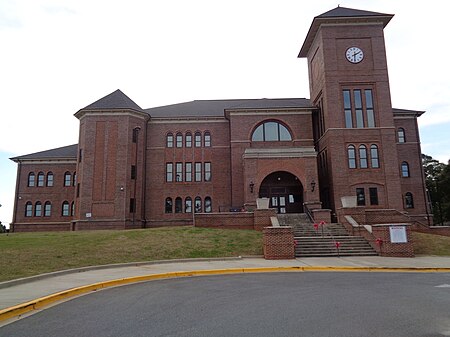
{"type": "Point", "coordinates": [208, 205]}
{"type": "Point", "coordinates": [207, 139]}
{"type": "Point", "coordinates": [405, 169]}
{"type": "Point", "coordinates": [169, 140]}
{"type": "Point", "coordinates": [198, 205]}
{"type": "Point", "coordinates": [50, 179]}
{"type": "Point", "coordinates": [38, 209]}
{"type": "Point", "coordinates": [48, 208]}
{"type": "Point", "coordinates": [179, 140]}
{"type": "Point", "coordinates": [351, 151]}
{"type": "Point", "coordinates": [40, 179]}
{"type": "Point", "coordinates": [65, 208]}
{"type": "Point", "coordinates": [188, 205]}
{"type": "Point", "coordinates": [409, 201]}
{"type": "Point", "coordinates": [188, 139]}
{"type": "Point", "coordinates": [198, 139]}
{"type": "Point", "coordinates": [168, 205]}
{"type": "Point", "coordinates": [67, 179]}
{"type": "Point", "coordinates": [374, 156]}
{"type": "Point", "coordinates": [31, 180]}
{"type": "Point", "coordinates": [362, 156]}
{"type": "Point", "coordinates": [271, 132]}
{"type": "Point", "coordinates": [401, 135]}
{"type": "Point", "coordinates": [72, 209]}
{"type": "Point", "coordinates": [28, 209]}
{"type": "Point", "coordinates": [178, 205]}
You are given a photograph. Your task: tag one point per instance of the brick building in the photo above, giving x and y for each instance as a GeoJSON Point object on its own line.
{"type": "Point", "coordinates": [138, 168]}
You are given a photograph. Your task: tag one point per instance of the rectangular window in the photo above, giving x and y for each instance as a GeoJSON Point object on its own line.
{"type": "Point", "coordinates": [169, 172]}
{"type": "Point", "coordinates": [188, 172]}
{"type": "Point", "coordinates": [373, 193]}
{"type": "Point", "coordinates": [348, 109]}
{"type": "Point", "coordinates": [360, 197]}
{"type": "Point", "coordinates": [358, 109]}
{"type": "Point", "coordinates": [132, 205]}
{"type": "Point", "coordinates": [207, 171]}
{"type": "Point", "coordinates": [198, 171]}
{"type": "Point", "coordinates": [179, 171]}
{"type": "Point", "coordinates": [133, 171]}
{"type": "Point", "coordinates": [188, 140]}
{"type": "Point", "coordinates": [369, 108]}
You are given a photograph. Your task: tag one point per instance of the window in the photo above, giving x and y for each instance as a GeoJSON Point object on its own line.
{"type": "Point", "coordinates": [198, 171]}
{"type": "Point", "coordinates": [351, 156]}
{"type": "Point", "coordinates": [271, 132]}
{"type": "Point", "coordinates": [207, 171]}
{"type": "Point", "coordinates": [31, 179]}
{"type": "Point", "coordinates": [179, 140]}
{"type": "Point", "coordinates": [38, 209]}
{"type": "Point", "coordinates": [359, 108]}
{"type": "Point", "coordinates": [72, 209]}
{"type": "Point", "coordinates": [178, 205]}
{"type": "Point", "coordinates": [65, 208]}
{"type": "Point", "coordinates": [409, 201]}
{"type": "Point", "coordinates": [49, 179]}
{"type": "Point", "coordinates": [208, 205]}
{"type": "Point", "coordinates": [360, 197]}
{"type": "Point", "coordinates": [188, 167]}
{"type": "Point", "coordinates": [198, 205]}
{"type": "Point", "coordinates": [168, 205]}
{"type": "Point", "coordinates": [369, 108]}
{"type": "Point", "coordinates": [179, 171]}
{"type": "Point", "coordinates": [362, 156]}
{"type": "Point", "coordinates": [169, 140]}
{"type": "Point", "coordinates": [169, 172]}
{"type": "Point", "coordinates": [74, 179]}
{"type": "Point", "coordinates": [374, 156]}
{"type": "Point", "coordinates": [348, 109]}
{"type": "Point", "coordinates": [132, 205]}
{"type": "Point", "coordinates": [133, 172]}
{"type": "Point", "coordinates": [207, 139]}
{"type": "Point", "coordinates": [405, 169]}
{"type": "Point", "coordinates": [401, 135]}
{"type": "Point", "coordinates": [67, 179]}
{"type": "Point", "coordinates": [188, 139]}
{"type": "Point", "coordinates": [373, 194]}
{"type": "Point", "coordinates": [135, 134]}
{"type": "Point", "coordinates": [40, 180]}
{"type": "Point", "coordinates": [198, 139]}
{"type": "Point", "coordinates": [48, 208]}
{"type": "Point", "coordinates": [188, 205]}
{"type": "Point", "coordinates": [28, 209]}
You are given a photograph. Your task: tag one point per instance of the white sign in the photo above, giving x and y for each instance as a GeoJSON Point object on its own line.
{"type": "Point", "coordinates": [398, 234]}
{"type": "Point", "coordinates": [88, 215]}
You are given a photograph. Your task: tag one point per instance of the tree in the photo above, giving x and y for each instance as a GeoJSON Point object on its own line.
{"type": "Point", "coordinates": [437, 180]}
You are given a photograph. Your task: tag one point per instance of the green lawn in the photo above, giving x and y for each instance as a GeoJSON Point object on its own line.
{"type": "Point", "coordinates": [26, 254]}
{"type": "Point", "coordinates": [429, 244]}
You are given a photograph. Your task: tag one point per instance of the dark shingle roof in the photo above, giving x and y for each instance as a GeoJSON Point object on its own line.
{"type": "Point", "coordinates": [115, 100]}
{"type": "Point", "coordinates": [65, 152]}
{"type": "Point", "coordinates": [341, 14]}
{"type": "Point", "coordinates": [406, 112]}
{"type": "Point", "coordinates": [216, 108]}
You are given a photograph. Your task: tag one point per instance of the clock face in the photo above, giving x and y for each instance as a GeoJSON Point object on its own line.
{"type": "Point", "coordinates": [354, 54]}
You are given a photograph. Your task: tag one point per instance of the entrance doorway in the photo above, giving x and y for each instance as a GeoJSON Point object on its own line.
{"type": "Point", "coordinates": [284, 191]}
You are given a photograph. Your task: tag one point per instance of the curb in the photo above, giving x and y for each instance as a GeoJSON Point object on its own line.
{"type": "Point", "coordinates": [42, 302]}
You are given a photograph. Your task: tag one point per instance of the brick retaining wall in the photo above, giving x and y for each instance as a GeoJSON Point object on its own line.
{"type": "Point", "coordinates": [278, 243]}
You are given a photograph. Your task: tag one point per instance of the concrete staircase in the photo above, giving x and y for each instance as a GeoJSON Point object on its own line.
{"type": "Point", "coordinates": [322, 242]}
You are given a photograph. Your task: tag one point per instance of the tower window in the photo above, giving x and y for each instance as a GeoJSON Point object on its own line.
{"type": "Point", "coordinates": [358, 108]}
{"type": "Point", "coordinates": [405, 170]}
{"type": "Point", "coordinates": [401, 135]}
{"type": "Point", "coordinates": [271, 132]}
{"type": "Point", "coordinates": [374, 156]}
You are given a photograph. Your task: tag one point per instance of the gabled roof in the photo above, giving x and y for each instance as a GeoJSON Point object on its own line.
{"type": "Point", "coordinates": [65, 152]}
{"type": "Point", "coordinates": [116, 100]}
{"type": "Point", "coordinates": [216, 108]}
{"type": "Point", "coordinates": [341, 15]}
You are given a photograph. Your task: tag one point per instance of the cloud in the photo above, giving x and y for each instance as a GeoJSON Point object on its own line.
{"type": "Point", "coordinates": [8, 15]}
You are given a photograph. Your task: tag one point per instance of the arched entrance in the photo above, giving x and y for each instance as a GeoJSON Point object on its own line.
{"type": "Point", "coordinates": [284, 190]}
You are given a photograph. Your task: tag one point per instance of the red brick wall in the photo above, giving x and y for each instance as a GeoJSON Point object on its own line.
{"type": "Point", "coordinates": [229, 220]}
{"type": "Point", "coordinates": [278, 243]}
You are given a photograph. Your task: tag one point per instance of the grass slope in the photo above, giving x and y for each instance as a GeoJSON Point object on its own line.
{"type": "Point", "coordinates": [26, 254]}
{"type": "Point", "coordinates": [430, 244]}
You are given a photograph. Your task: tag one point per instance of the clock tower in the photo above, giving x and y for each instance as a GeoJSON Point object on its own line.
{"type": "Point", "coordinates": [354, 130]}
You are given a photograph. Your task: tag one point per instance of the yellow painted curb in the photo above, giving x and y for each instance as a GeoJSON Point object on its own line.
{"type": "Point", "coordinates": [42, 302]}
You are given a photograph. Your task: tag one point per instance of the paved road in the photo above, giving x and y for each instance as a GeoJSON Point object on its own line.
{"type": "Point", "coordinates": [280, 304]}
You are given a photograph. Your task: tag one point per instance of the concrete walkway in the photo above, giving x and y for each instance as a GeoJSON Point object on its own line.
{"type": "Point", "coordinates": [13, 293]}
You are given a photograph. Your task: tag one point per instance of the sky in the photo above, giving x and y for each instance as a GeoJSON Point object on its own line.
{"type": "Point", "coordinates": [58, 56]}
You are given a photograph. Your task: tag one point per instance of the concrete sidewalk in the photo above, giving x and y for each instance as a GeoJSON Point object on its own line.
{"type": "Point", "coordinates": [13, 293]}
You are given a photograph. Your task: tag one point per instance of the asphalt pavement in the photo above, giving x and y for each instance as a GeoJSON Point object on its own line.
{"type": "Point", "coordinates": [21, 296]}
